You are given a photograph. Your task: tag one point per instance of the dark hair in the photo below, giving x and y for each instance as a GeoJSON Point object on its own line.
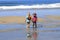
{"type": "Point", "coordinates": [34, 14]}
{"type": "Point", "coordinates": [29, 18]}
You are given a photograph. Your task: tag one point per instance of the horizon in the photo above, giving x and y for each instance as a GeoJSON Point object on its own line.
{"type": "Point", "coordinates": [32, 1]}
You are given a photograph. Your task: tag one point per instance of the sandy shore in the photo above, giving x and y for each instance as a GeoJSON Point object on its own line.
{"type": "Point", "coordinates": [21, 19]}
{"type": "Point", "coordinates": [53, 17]}
{"type": "Point", "coordinates": [15, 19]}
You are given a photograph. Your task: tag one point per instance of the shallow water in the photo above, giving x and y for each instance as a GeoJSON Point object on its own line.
{"type": "Point", "coordinates": [19, 32]}
{"type": "Point", "coordinates": [40, 12]}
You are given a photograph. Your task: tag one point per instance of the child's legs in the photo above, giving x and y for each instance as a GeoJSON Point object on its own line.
{"type": "Point", "coordinates": [34, 24]}
{"type": "Point", "coordinates": [28, 24]}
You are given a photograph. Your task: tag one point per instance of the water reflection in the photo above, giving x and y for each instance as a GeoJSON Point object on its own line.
{"type": "Point", "coordinates": [32, 34]}
{"type": "Point", "coordinates": [29, 35]}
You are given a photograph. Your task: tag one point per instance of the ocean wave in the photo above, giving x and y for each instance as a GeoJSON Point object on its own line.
{"type": "Point", "coordinates": [55, 5]}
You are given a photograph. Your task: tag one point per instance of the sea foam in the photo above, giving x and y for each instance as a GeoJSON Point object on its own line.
{"type": "Point", "coordinates": [55, 5]}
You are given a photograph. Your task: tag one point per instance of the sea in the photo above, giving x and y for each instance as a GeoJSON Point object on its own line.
{"type": "Point", "coordinates": [41, 7]}
{"type": "Point", "coordinates": [26, 2]}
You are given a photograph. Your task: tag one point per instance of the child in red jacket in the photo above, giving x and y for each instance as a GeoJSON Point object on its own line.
{"type": "Point", "coordinates": [34, 20]}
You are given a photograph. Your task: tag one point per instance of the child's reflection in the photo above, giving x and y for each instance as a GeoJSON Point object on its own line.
{"type": "Point", "coordinates": [29, 34]}
{"type": "Point", "coordinates": [34, 35]}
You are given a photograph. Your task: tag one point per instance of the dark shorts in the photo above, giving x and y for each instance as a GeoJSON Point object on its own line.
{"type": "Point", "coordinates": [28, 22]}
{"type": "Point", "coordinates": [34, 24]}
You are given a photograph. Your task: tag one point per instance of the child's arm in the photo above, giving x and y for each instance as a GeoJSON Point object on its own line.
{"type": "Point", "coordinates": [31, 18]}
{"type": "Point", "coordinates": [36, 19]}
{"type": "Point", "coordinates": [25, 20]}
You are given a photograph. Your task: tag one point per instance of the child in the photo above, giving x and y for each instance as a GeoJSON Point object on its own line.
{"type": "Point", "coordinates": [34, 20]}
{"type": "Point", "coordinates": [28, 19]}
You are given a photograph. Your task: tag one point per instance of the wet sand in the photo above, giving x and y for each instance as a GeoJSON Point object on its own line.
{"type": "Point", "coordinates": [14, 28]}
{"type": "Point", "coordinates": [22, 35]}
{"type": "Point", "coordinates": [19, 32]}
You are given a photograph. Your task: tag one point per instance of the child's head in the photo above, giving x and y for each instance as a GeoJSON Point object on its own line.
{"type": "Point", "coordinates": [28, 13]}
{"type": "Point", "coordinates": [34, 14]}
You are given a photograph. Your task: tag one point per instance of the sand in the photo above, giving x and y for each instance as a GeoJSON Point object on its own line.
{"type": "Point", "coordinates": [53, 17]}
{"type": "Point", "coordinates": [21, 19]}
{"type": "Point", "coordinates": [14, 19]}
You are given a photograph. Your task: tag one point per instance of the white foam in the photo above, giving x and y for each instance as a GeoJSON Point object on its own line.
{"type": "Point", "coordinates": [55, 5]}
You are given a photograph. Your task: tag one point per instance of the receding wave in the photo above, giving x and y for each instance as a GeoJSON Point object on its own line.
{"type": "Point", "coordinates": [55, 5]}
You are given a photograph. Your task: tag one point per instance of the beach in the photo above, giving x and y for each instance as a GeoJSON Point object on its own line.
{"type": "Point", "coordinates": [15, 19]}
{"type": "Point", "coordinates": [19, 15]}
{"type": "Point", "coordinates": [13, 26]}
{"type": "Point", "coordinates": [13, 15]}
{"type": "Point", "coordinates": [19, 32]}
{"type": "Point", "coordinates": [49, 21]}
